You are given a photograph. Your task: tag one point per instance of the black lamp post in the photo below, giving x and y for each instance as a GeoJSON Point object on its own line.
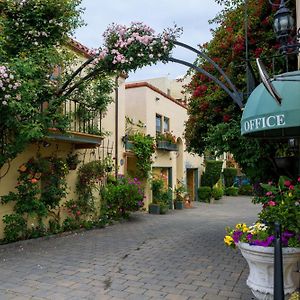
{"type": "Point", "coordinates": [283, 27]}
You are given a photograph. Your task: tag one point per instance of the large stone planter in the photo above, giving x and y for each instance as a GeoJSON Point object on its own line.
{"type": "Point", "coordinates": [261, 270]}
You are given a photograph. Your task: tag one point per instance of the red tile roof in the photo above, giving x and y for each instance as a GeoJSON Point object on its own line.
{"type": "Point", "coordinates": [155, 89]}
{"type": "Point", "coordinates": [80, 48]}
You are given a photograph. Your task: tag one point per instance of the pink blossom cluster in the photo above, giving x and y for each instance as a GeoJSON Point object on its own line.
{"type": "Point", "coordinates": [126, 44]}
{"type": "Point", "coordinates": [8, 85]}
{"type": "Point", "coordinates": [34, 33]}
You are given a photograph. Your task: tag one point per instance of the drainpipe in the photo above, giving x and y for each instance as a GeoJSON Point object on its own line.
{"type": "Point", "coordinates": [116, 125]}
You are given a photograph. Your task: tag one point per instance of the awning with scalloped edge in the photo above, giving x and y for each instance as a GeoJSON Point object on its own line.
{"type": "Point", "coordinates": [264, 117]}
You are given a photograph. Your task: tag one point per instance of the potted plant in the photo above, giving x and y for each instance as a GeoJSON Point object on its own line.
{"type": "Point", "coordinates": [165, 201]}
{"type": "Point", "coordinates": [179, 191]}
{"type": "Point", "coordinates": [157, 185]}
{"type": "Point", "coordinates": [161, 197]}
{"type": "Point", "coordinates": [284, 157]}
{"type": "Point", "coordinates": [280, 203]}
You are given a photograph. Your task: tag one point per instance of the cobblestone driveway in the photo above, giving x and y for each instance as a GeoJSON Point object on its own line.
{"type": "Point", "coordinates": [177, 256]}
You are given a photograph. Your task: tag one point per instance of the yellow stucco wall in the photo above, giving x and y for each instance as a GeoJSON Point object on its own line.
{"type": "Point", "coordinates": [143, 103]}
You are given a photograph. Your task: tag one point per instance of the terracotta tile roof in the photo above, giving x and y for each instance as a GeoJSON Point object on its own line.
{"type": "Point", "coordinates": [155, 89]}
{"type": "Point", "coordinates": [80, 48]}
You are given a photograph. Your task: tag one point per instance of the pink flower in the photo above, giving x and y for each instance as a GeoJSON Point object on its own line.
{"type": "Point", "coordinates": [298, 179]}
{"type": "Point", "coordinates": [291, 187]}
{"type": "Point", "coordinates": [269, 193]}
{"type": "Point", "coordinates": [287, 183]}
{"type": "Point", "coordinates": [271, 203]}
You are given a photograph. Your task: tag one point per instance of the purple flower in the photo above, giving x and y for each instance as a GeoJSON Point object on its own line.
{"type": "Point", "coordinates": [236, 236]}
{"type": "Point", "coordinates": [249, 237]}
{"type": "Point", "coordinates": [265, 243]}
{"type": "Point", "coordinates": [286, 235]}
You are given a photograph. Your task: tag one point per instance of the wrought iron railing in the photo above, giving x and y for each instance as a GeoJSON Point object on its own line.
{"type": "Point", "coordinates": [167, 146]}
{"type": "Point", "coordinates": [80, 117]}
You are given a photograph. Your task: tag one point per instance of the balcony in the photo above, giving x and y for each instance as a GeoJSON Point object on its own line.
{"type": "Point", "coordinates": [166, 146]}
{"type": "Point", "coordinates": [84, 129]}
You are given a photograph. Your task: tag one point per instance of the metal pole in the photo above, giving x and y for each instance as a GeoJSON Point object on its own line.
{"type": "Point", "coordinates": [116, 125]}
{"type": "Point", "coordinates": [278, 272]}
{"type": "Point", "coordinates": [247, 48]}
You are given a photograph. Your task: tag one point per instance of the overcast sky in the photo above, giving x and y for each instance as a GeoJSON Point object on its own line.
{"type": "Point", "coordinates": [192, 15]}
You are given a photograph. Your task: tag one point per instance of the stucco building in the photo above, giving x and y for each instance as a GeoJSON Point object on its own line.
{"type": "Point", "coordinates": [157, 103]}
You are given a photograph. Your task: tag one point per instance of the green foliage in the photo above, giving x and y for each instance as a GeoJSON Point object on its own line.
{"type": "Point", "coordinates": [34, 24]}
{"type": "Point", "coordinates": [252, 155]}
{"type": "Point", "coordinates": [231, 191]}
{"type": "Point", "coordinates": [214, 120]}
{"type": "Point", "coordinates": [143, 148]}
{"type": "Point", "coordinates": [15, 227]}
{"type": "Point", "coordinates": [41, 187]}
{"type": "Point", "coordinates": [179, 191]}
{"type": "Point", "coordinates": [204, 193]}
{"type": "Point", "coordinates": [123, 197]}
{"type": "Point", "coordinates": [30, 33]}
{"type": "Point", "coordinates": [157, 186]}
{"type": "Point", "coordinates": [229, 175]}
{"type": "Point", "coordinates": [217, 193]}
{"type": "Point", "coordinates": [90, 178]}
{"type": "Point", "coordinates": [281, 204]}
{"type": "Point", "coordinates": [70, 224]}
{"type": "Point", "coordinates": [212, 172]}
{"type": "Point", "coordinates": [246, 189]}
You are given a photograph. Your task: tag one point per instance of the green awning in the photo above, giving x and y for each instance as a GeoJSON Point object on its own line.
{"type": "Point", "coordinates": [264, 117]}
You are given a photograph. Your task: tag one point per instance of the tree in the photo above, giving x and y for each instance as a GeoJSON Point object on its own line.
{"type": "Point", "coordinates": [33, 39]}
{"type": "Point", "coordinates": [214, 120]}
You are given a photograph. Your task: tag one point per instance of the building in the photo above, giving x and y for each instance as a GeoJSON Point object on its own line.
{"type": "Point", "coordinates": [161, 107]}
{"type": "Point", "coordinates": [157, 103]}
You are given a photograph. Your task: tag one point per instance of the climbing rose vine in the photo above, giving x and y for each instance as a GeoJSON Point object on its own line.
{"type": "Point", "coordinates": [8, 86]}
{"type": "Point", "coordinates": [129, 48]}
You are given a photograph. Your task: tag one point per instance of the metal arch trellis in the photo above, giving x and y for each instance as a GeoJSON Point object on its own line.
{"type": "Point", "coordinates": [232, 91]}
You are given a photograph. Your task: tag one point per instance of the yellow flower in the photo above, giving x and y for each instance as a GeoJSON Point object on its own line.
{"type": "Point", "coordinates": [238, 226]}
{"type": "Point", "coordinates": [228, 240]}
{"type": "Point", "coordinates": [245, 228]}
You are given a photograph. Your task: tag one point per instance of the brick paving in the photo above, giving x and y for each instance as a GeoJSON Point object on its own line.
{"type": "Point", "coordinates": [178, 256]}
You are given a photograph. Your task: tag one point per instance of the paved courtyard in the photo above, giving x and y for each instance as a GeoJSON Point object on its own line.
{"type": "Point", "coordinates": [178, 256]}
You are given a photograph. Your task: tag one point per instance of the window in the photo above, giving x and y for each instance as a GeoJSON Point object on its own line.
{"type": "Point", "coordinates": [166, 124]}
{"type": "Point", "coordinates": [158, 123]}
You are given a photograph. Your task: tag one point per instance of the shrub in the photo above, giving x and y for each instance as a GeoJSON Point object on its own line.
{"type": "Point", "coordinates": [213, 169]}
{"type": "Point", "coordinates": [246, 190]}
{"type": "Point", "coordinates": [15, 227]}
{"type": "Point", "coordinates": [123, 197]}
{"type": "Point", "coordinates": [204, 193]}
{"type": "Point", "coordinates": [157, 189]}
{"type": "Point", "coordinates": [231, 191]}
{"type": "Point", "coordinates": [217, 193]}
{"type": "Point", "coordinates": [229, 175]}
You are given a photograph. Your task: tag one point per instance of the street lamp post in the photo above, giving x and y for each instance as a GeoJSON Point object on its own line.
{"type": "Point", "coordinates": [283, 28]}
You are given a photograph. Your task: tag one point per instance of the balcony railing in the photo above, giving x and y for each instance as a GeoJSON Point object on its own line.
{"type": "Point", "coordinates": [167, 146]}
{"type": "Point", "coordinates": [84, 125]}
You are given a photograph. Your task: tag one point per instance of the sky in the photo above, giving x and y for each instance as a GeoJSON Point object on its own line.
{"type": "Point", "coordinates": [191, 15]}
